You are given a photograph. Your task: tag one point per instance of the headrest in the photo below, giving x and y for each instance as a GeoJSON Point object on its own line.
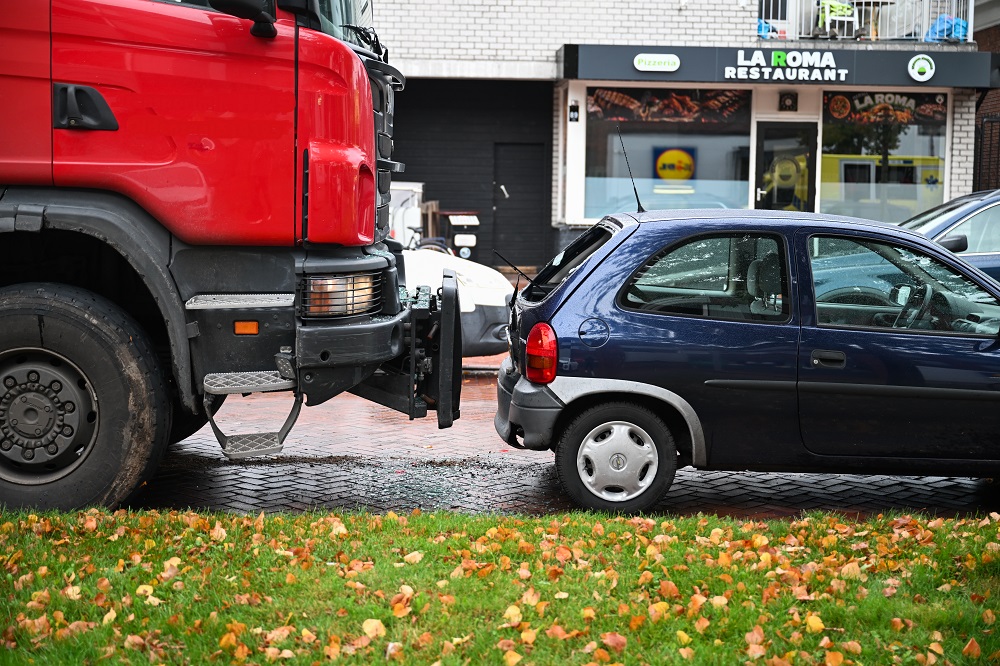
{"type": "Point", "coordinates": [764, 276]}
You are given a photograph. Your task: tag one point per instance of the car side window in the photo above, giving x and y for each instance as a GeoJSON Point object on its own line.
{"type": "Point", "coordinates": [982, 230]}
{"type": "Point", "coordinates": [736, 276]}
{"type": "Point", "coordinates": [868, 284]}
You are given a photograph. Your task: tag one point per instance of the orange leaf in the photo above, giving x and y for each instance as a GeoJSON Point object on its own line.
{"type": "Point", "coordinates": [834, 659]}
{"type": "Point", "coordinates": [373, 628]}
{"type": "Point", "coordinates": [228, 640]}
{"type": "Point", "coordinates": [755, 637]}
{"type": "Point", "coordinates": [668, 590]}
{"type": "Point", "coordinates": [971, 649]}
{"type": "Point", "coordinates": [510, 658]}
{"type": "Point", "coordinates": [851, 646]}
{"type": "Point", "coordinates": [686, 653]}
{"type": "Point", "coordinates": [614, 640]}
{"type": "Point", "coordinates": [756, 651]}
{"type": "Point", "coordinates": [555, 631]}
{"type": "Point", "coordinates": [701, 624]}
{"type": "Point", "coordinates": [636, 622]}
{"type": "Point", "coordinates": [528, 636]}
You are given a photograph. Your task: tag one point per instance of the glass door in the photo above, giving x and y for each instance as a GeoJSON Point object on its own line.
{"type": "Point", "coordinates": [786, 166]}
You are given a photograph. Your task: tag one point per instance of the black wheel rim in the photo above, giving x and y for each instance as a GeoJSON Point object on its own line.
{"type": "Point", "coordinates": [48, 416]}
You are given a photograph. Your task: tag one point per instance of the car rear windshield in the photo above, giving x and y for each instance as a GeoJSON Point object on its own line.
{"type": "Point", "coordinates": [563, 264]}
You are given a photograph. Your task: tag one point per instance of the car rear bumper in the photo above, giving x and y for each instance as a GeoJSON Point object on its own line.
{"type": "Point", "coordinates": [525, 410]}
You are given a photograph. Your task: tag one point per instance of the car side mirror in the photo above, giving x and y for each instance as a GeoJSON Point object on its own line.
{"type": "Point", "coordinates": [900, 294]}
{"type": "Point", "coordinates": [253, 10]}
{"type": "Point", "coordinates": [956, 243]}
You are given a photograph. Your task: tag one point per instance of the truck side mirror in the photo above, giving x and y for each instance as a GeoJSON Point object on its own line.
{"type": "Point", "coordinates": [263, 23]}
{"type": "Point", "coordinates": [956, 243]}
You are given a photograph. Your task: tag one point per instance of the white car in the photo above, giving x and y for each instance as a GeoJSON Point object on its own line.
{"type": "Point", "coordinates": [482, 296]}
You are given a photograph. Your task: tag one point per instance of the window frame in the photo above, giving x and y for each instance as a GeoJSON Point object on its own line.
{"type": "Point", "coordinates": [789, 302]}
{"type": "Point", "coordinates": [897, 242]}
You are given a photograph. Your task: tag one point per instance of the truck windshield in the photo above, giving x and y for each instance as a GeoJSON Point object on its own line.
{"type": "Point", "coordinates": [336, 15]}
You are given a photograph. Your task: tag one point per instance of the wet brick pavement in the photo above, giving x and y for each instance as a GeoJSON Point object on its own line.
{"type": "Point", "coordinates": [349, 454]}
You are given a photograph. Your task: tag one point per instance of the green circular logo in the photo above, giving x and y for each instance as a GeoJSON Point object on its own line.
{"type": "Point", "coordinates": [921, 68]}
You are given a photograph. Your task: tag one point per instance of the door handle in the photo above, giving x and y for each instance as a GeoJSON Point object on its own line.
{"type": "Point", "coordinates": [761, 194]}
{"type": "Point", "coordinates": [504, 190]}
{"type": "Point", "coordinates": [824, 358]}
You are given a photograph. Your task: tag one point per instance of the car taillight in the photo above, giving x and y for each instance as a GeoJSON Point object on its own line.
{"type": "Point", "coordinates": [541, 353]}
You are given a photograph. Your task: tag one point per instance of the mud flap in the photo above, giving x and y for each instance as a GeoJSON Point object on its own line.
{"type": "Point", "coordinates": [445, 386]}
{"type": "Point", "coordinates": [429, 374]}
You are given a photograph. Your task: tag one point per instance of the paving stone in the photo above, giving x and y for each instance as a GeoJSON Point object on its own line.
{"type": "Point", "coordinates": [350, 454]}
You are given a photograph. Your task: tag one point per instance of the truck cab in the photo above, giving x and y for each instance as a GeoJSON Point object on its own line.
{"type": "Point", "coordinates": [194, 203]}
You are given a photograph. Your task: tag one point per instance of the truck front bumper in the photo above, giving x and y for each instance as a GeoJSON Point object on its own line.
{"type": "Point", "coordinates": [525, 410]}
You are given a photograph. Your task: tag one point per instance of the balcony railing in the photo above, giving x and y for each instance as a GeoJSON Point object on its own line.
{"type": "Point", "coordinates": [948, 21]}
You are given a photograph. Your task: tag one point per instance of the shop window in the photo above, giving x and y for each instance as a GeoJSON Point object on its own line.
{"type": "Point", "coordinates": [883, 154]}
{"type": "Point", "coordinates": [686, 148]}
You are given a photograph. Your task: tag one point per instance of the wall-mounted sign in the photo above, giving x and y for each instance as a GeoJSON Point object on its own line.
{"type": "Point", "coordinates": [656, 62]}
{"type": "Point", "coordinates": [785, 66]}
{"type": "Point", "coordinates": [885, 108]}
{"type": "Point", "coordinates": [845, 66]}
{"type": "Point", "coordinates": [921, 68]}
{"type": "Point", "coordinates": [674, 163]}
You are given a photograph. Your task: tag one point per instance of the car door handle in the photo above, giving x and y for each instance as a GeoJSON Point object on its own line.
{"type": "Point", "coordinates": [824, 358]}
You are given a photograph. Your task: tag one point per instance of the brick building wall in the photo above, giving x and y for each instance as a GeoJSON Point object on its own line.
{"type": "Point", "coordinates": [519, 38]}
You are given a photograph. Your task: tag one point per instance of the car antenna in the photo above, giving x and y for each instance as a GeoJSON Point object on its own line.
{"type": "Point", "coordinates": [641, 209]}
{"type": "Point", "coordinates": [519, 271]}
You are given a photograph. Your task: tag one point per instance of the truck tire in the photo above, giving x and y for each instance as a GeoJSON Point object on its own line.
{"type": "Point", "coordinates": [84, 415]}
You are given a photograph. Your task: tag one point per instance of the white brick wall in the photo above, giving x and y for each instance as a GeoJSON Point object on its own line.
{"type": "Point", "coordinates": [513, 38]}
{"type": "Point", "coordinates": [963, 142]}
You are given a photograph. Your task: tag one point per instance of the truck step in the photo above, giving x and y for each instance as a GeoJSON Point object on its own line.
{"type": "Point", "coordinates": [223, 383]}
{"type": "Point", "coordinates": [255, 444]}
{"type": "Point", "coordinates": [236, 447]}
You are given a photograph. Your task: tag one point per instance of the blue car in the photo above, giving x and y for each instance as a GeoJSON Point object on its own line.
{"type": "Point", "coordinates": [969, 226]}
{"type": "Point", "coordinates": [751, 340]}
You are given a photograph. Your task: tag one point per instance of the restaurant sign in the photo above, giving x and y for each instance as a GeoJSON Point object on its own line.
{"type": "Point", "coordinates": [884, 108]}
{"type": "Point", "coordinates": [786, 66]}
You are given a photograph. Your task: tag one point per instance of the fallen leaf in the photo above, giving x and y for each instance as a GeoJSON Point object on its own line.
{"type": "Point", "coordinates": [686, 653]}
{"type": "Point", "coordinates": [218, 533]}
{"type": "Point", "coordinates": [814, 624]}
{"type": "Point", "coordinates": [683, 638]}
{"type": "Point", "coordinates": [614, 640]}
{"type": "Point", "coordinates": [833, 658]}
{"type": "Point", "coordinates": [971, 649]}
{"type": "Point", "coordinates": [513, 615]}
{"type": "Point", "coordinates": [414, 557]}
{"type": "Point", "coordinates": [109, 616]}
{"type": "Point", "coordinates": [510, 657]}
{"type": "Point", "coordinates": [373, 628]}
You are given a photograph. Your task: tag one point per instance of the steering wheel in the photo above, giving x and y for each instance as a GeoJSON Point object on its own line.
{"type": "Point", "coordinates": [915, 308]}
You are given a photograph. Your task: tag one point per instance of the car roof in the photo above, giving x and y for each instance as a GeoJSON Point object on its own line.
{"type": "Point", "coordinates": [764, 219]}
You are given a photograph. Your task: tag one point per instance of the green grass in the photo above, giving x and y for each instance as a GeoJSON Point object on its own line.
{"type": "Point", "coordinates": [95, 587]}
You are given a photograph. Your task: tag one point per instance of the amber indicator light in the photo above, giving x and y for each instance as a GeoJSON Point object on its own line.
{"type": "Point", "coordinates": [246, 327]}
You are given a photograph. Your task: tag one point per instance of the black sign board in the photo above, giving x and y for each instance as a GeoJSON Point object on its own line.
{"type": "Point", "coordinates": [782, 66]}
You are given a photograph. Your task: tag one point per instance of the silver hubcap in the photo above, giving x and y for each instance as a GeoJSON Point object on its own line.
{"type": "Point", "coordinates": [617, 461]}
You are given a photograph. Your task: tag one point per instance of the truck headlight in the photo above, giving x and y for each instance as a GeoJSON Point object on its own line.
{"type": "Point", "coordinates": [341, 295]}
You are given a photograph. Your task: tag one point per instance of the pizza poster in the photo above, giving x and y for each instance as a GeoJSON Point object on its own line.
{"type": "Point", "coordinates": [871, 108]}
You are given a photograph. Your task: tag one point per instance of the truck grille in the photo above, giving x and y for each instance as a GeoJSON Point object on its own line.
{"type": "Point", "coordinates": [341, 295]}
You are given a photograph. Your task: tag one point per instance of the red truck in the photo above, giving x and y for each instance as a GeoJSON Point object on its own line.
{"type": "Point", "coordinates": [194, 203]}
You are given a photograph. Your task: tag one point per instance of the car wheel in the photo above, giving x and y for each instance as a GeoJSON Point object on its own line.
{"type": "Point", "coordinates": [84, 415]}
{"type": "Point", "coordinates": [616, 457]}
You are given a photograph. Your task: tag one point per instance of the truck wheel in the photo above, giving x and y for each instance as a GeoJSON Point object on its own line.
{"type": "Point", "coordinates": [616, 457]}
{"type": "Point", "coordinates": [84, 417]}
